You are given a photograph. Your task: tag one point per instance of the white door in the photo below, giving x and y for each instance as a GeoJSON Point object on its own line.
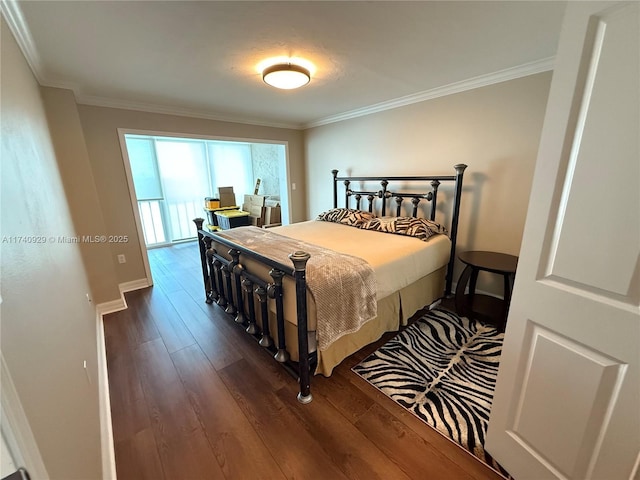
{"type": "Point", "coordinates": [567, 400]}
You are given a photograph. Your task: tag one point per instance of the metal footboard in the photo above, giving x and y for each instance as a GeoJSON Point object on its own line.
{"type": "Point", "coordinates": [228, 282]}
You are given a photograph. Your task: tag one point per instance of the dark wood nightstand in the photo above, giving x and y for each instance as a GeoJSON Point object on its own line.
{"type": "Point", "coordinates": [483, 307]}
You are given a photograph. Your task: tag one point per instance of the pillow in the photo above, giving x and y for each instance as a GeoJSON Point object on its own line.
{"type": "Point", "coordinates": [413, 227]}
{"type": "Point", "coordinates": [346, 216]}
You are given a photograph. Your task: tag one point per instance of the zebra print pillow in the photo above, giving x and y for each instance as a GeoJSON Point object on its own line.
{"type": "Point", "coordinates": [413, 227]}
{"type": "Point", "coordinates": [346, 216]}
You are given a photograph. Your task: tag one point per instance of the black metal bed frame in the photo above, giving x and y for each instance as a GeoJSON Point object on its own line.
{"type": "Point", "coordinates": [233, 287]}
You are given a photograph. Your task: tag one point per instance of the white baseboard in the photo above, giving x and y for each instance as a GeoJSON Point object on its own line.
{"type": "Point", "coordinates": [106, 428]}
{"type": "Point", "coordinates": [134, 285]}
{"type": "Point", "coordinates": [435, 304]}
{"type": "Point", "coordinates": [121, 303]}
{"type": "Point", "coordinates": [16, 429]}
{"type": "Point", "coordinates": [112, 306]}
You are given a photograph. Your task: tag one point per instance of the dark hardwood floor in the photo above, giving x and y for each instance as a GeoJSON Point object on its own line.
{"type": "Point", "coordinates": [193, 397]}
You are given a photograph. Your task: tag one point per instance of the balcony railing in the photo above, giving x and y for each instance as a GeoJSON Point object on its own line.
{"type": "Point", "coordinates": [152, 224]}
{"type": "Point", "coordinates": [181, 217]}
{"type": "Point", "coordinates": [165, 222]}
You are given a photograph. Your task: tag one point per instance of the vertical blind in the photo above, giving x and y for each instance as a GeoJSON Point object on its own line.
{"type": "Point", "coordinates": [144, 168]}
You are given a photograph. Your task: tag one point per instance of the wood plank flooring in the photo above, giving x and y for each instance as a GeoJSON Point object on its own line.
{"type": "Point", "coordinates": [193, 397]}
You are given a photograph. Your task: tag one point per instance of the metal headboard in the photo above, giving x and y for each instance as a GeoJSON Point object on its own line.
{"type": "Point", "coordinates": [430, 196]}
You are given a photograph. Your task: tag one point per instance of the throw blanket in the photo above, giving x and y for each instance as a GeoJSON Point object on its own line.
{"type": "Point", "coordinates": [342, 286]}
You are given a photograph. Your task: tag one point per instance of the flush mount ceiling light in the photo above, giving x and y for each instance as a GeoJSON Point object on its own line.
{"type": "Point", "coordinates": [286, 76]}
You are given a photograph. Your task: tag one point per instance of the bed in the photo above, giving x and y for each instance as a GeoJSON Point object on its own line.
{"type": "Point", "coordinates": [315, 292]}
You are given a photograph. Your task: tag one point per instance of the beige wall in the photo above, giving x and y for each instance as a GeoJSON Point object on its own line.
{"type": "Point", "coordinates": [100, 129]}
{"type": "Point", "coordinates": [495, 130]}
{"type": "Point", "coordinates": [48, 326]}
{"type": "Point", "coordinates": [80, 189]}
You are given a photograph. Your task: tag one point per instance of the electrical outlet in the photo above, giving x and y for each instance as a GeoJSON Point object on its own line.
{"type": "Point", "coordinates": [293, 186]}
{"type": "Point", "coordinates": [122, 258]}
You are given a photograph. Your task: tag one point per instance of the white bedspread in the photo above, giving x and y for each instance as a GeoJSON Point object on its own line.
{"type": "Point", "coordinates": [397, 261]}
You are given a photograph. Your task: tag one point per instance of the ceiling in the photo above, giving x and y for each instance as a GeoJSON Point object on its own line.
{"type": "Point", "coordinates": [200, 58]}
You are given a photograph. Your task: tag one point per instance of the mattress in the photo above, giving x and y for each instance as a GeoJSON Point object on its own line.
{"type": "Point", "coordinates": [397, 260]}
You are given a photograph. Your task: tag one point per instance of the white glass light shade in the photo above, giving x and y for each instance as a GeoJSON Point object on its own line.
{"type": "Point", "coordinates": [286, 76]}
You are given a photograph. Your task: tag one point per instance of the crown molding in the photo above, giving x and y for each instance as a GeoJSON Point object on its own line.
{"type": "Point", "coordinates": [13, 15]}
{"type": "Point", "coordinates": [182, 112]}
{"type": "Point", "coordinates": [507, 74]}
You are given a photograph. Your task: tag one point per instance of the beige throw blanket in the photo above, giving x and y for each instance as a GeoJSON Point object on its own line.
{"type": "Point", "coordinates": [342, 286]}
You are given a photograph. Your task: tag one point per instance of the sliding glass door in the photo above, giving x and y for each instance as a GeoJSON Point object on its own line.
{"type": "Point", "coordinates": [148, 186]}
{"type": "Point", "coordinates": [186, 180]}
{"type": "Point", "coordinates": [172, 176]}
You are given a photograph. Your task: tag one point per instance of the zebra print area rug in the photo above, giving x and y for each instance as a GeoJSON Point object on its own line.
{"type": "Point", "coordinates": [443, 369]}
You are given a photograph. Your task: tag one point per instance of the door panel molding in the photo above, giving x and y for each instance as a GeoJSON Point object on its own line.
{"type": "Point", "coordinates": [604, 89]}
{"type": "Point", "coordinates": [627, 302]}
{"type": "Point", "coordinates": [554, 400]}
